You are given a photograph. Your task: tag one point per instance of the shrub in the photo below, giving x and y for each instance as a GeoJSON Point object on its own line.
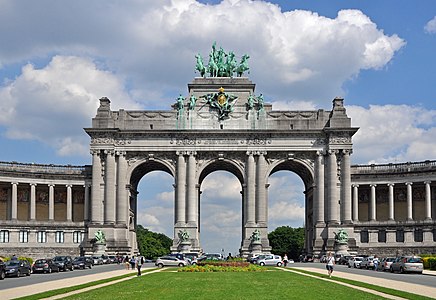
{"type": "Point", "coordinates": [218, 268]}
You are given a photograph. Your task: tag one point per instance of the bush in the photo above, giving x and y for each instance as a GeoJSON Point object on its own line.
{"type": "Point", "coordinates": [218, 268]}
{"type": "Point", "coordinates": [224, 263]}
{"type": "Point", "coordinates": [429, 263]}
{"type": "Point", "coordinates": [30, 260]}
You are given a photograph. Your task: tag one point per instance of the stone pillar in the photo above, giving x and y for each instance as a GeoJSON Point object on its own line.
{"type": "Point", "coordinates": [261, 209]}
{"type": "Point", "coordinates": [86, 203]}
{"type": "Point", "coordinates": [355, 202]}
{"type": "Point", "coordinates": [332, 204]}
{"type": "Point", "coordinates": [391, 202]}
{"type": "Point", "coordinates": [180, 207]}
{"type": "Point", "coordinates": [346, 187]}
{"type": "Point", "coordinates": [192, 191]}
{"type": "Point", "coordinates": [32, 214]}
{"type": "Point", "coordinates": [109, 188]}
{"type": "Point", "coordinates": [69, 203]}
{"type": "Point", "coordinates": [96, 200]}
{"type": "Point", "coordinates": [122, 198]}
{"type": "Point", "coordinates": [409, 201]}
{"type": "Point", "coordinates": [372, 204]}
{"type": "Point", "coordinates": [319, 192]}
{"type": "Point", "coordinates": [51, 202]}
{"type": "Point", "coordinates": [427, 200]}
{"type": "Point", "coordinates": [250, 189]}
{"type": "Point", "coordinates": [14, 207]}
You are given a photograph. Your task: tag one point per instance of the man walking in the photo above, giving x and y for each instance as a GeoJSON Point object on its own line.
{"type": "Point", "coordinates": [330, 264]}
{"type": "Point", "coordinates": [139, 261]}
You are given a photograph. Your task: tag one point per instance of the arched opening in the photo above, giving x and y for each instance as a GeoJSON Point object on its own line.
{"type": "Point", "coordinates": [220, 213]}
{"type": "Point", "coordinates": [155, 202]}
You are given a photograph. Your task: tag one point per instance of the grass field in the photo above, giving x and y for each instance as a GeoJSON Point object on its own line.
{"type": "Point", "coordinates": [273, 284]}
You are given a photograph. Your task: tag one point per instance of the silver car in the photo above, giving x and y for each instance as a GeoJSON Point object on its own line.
{"type": "Point", "coordinates": [170, 261]}
{"type": "Point", "coordinates": [385, 264]}
{"type": "Point", "coordinates": [407, 264]}
{"type": "Point", "coordinates": [354, 262]}
{"type": "Point", "coordinates": [270, 260]}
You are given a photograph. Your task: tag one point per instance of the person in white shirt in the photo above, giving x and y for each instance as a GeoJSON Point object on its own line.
{"type": "Point", "coordinates": [330, 264]}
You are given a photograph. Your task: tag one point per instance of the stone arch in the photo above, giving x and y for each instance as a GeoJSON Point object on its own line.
{"type": "Point", "coordinates": [303, 168]}
{"type": "Point", "coordinates": [229, 165]}
{"type": "Point", "coordinates": [143, 167]}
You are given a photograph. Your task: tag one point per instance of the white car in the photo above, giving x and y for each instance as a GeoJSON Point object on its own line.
{"type": "Point", "coordinates": [170, 261]}
{"type": "Point", "coordinates": [270, 260]}
{"type": "Point", "coordinates": [354, 262]}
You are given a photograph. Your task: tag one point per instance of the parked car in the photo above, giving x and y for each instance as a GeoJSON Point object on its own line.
{"type": "Point", "coordinates": [82, 262]}
{"type": "Point", "coordinates": [367, 263]}
{"type": "Point", "coordinates": [44, 266]}
{"type": "Point", "coordinates": [2, 270]}
{"type": "Point", "coordinates": [385, 263]}
{"type": "Point", "coordinates": [64, 263]}
{"type": "Point", "coordinates": [270, 260]}
{"type": "Point", "coordinates": [106, 259]}
{"type": "Point", "coordinates": [170, 261]}
{"type": "Point", "coordinates": [17, 268]}
{"type": "Point", "coordinates": [355, 262]}
{"type": "Point", "coordinates": [112, 259]}
{"type": "Point", "coordinates": [97, 260]}
{"type": "Point", "coordinates": [406, 264]}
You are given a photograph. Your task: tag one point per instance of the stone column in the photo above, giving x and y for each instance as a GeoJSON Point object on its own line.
{"type": "Point", "coordinates": [372, 204]}
{"type": "Point", "coordinates": [14, 206]}
{"type": "Point", "coordinates": [250, 189]}
{"type": "Point", "coordinates": [409, 201]}
{"type": "Point", "coordinates": [319, 192]}
{"type": "Point", "coordinates": [261, 209]}
{"type": "Point", "coordinates": [192, 191]}
{"type": "Point", "coordinates": [355, 202]}
{"type": "Point", "coordinates": [427, 200]}
{"type": "Point", "coordinates": [180, 207]}
{"type": "Point", "coordinates": [86, 203]}
{"type": "Point", "coordinates": [332, 204]}
{"type": "Point", "coordinates": [122, 198]}
{"type": "Point", "coordinates": [391, 202]}
{"type": "Point", "coordinates": [96, 200]}
{"type": "Point", "coordinates": [346, 187]}
{"type": "Point", "coordinates": [109, 188]}
{"type": "Point", "coordinates": [32, 201]}
{"type": "Point", "coordinates": [69, 203]}
{"type": "Point", "coordinates": [51, 202]}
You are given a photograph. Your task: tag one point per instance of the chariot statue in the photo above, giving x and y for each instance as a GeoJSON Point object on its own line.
{"type": "Point", "coordinates": [183, 235]}
{"type": "Point", "coordinates": [255, 236]}
{"type": "Point", "coordinates": [341, 236]}
{"type": "Point", "coordinates": [100, 238]}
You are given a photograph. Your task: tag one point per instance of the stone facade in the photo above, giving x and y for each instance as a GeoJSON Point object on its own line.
{"type": "Point", "coordinates": [383, 208]}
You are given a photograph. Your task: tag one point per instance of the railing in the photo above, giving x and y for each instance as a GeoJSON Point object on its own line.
{"type": "Point", "coordinates": [41, 168]}
{"type": "Point", "coordinates": [395, 168]}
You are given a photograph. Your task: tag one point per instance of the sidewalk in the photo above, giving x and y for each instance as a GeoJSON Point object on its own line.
{"type": "Point", "coordinates": [393, 284]}
{"type": "Point", "coordinates": [57, 284]}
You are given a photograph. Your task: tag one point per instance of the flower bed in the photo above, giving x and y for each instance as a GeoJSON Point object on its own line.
{"type": "Point", "coordinates": [222, 268]}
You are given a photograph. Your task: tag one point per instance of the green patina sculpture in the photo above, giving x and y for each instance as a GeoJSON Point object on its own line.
{"type": "Point", "coordinates": [222, 101]}
{"type": "Point", "coordinates": [183, 235]}
{"type": "Point", "coordinates": [192, 101]}
{"type": "Point", "coordinates": [253, 101]}
{"type": "Point", "coordinates": [341, 237]}
{"type": "Point", "coordinates": [222, 64]}
{"type": "Point", "coordinates": [100, 237]}
{"type": "Point", "coordinates": [180, 104]}
{"type": "Point", "coordinates": [255, 236]}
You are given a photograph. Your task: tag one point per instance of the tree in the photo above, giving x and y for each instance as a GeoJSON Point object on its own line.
{"type": "Point", "coordinates": [151, 244]}
{"type": "Point", "coordinates": [287, 240]}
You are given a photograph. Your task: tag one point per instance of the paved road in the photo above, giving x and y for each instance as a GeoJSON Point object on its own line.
{"type": "Point", "coordinates": [12, 282]}
{"type": "Point", "coordinates": [425, 280]}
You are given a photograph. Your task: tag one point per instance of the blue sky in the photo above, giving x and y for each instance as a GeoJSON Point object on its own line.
{"type": "Point", "coordinates": [58, 58]}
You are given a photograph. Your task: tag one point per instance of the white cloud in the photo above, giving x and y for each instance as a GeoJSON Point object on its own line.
{"type": "Point", "coordinates": [391, 133]}
{"type": "Point", "coordinates": [53, 104]}
{"type": "Point", "coordinates": [430, 27]}
{"type": "Point", "coordinates": [286, 212]}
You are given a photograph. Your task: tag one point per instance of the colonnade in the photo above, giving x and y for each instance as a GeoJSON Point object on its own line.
{"type": "Point", "coordinates": [110, 191]}
{"type": "Point", "coordinates": [12, 212]}
{"type": "Point", "coordinates": [372, 216]}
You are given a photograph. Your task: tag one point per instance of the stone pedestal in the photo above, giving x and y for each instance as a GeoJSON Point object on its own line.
{"type": "Point", "coordinates": [342, 249]}
{"type": "Point", "coordinates": [256, 247]}
{"type": "Point", "coordinates": [99, 248]}
{"type": "Point", "coordinates": [184, 247]}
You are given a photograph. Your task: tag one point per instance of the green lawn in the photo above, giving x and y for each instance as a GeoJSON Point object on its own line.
{"type": "Point", "coordinates": [273, 284]}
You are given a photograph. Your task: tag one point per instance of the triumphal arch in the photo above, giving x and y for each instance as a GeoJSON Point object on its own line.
{"type": "Point", "coordinates": [221, 124]}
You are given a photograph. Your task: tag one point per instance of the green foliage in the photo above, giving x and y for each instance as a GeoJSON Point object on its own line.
{"type": "Point", "coordinates": [152, 245]}
{"type": "Point", "coordinates": [222, 268]}
{"type": "Point", "coordinates": [287, 240]}
{"type": "Point", "coordinates": [223, 263]}
{"type": "Point", "coordinates": [30, 260]}
{"type": "Point", "coordinates": [429, 263]}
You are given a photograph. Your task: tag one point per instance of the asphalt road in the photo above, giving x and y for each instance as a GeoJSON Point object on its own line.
{"type": "Point", "coordinates": [425, 280]}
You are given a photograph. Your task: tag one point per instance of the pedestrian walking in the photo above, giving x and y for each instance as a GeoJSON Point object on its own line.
{"type": "Point", "coordinates": [330, 263]}
{"type": "Point", "coordinates": [138, 262]}
{"type": "Point", "coordinates": [285, 260]}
